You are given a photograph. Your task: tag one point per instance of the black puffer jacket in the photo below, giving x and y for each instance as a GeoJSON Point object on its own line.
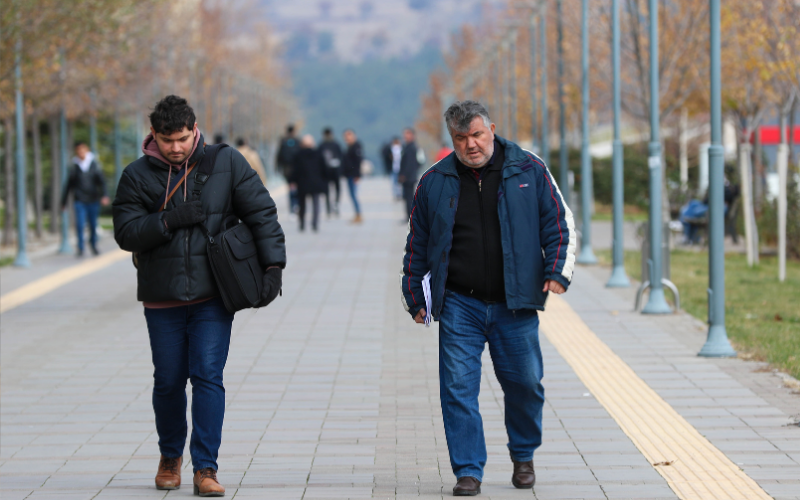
{"type": "Point", "coordinates": [173, 265]}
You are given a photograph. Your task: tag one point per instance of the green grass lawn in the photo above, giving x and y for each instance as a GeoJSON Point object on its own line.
{"type": "Point", "coordinates": [762, 315]}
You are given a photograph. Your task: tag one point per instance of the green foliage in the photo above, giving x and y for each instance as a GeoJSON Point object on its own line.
{"type": "Point", "coordinates": [636, 175]}
{"type": "Point", "coordinates": [767, 221]}
{"type": "Point", "coordinates": [376, 98]}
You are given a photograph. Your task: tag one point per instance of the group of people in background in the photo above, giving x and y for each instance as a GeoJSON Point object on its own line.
{"type": "Point", "coordinates": [402, 161]}
{"type": "Point", "coordinates": [315, 170]}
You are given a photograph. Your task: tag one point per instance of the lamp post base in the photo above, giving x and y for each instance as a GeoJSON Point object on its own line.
{"type": "Point", "coordinates": [657, 303]}
{"type": "Point", "coordinates": [586, 256]}
{"type": "Point", "coordinates": [22, 260]}
{"type": "Point", "coordinates": [618, 278]}
{"type": "Point", "coordinates": [717, 345]}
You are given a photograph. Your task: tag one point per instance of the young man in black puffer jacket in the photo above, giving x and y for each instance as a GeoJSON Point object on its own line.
{"type": "Point", "coordinates": [189, 327]}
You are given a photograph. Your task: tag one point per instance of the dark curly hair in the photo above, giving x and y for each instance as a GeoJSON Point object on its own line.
{"type": "Point", "coordinates": [171, 114]}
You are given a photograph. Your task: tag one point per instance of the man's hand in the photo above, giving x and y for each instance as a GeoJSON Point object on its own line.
{"type": "Point", "coordinates": [273, 281]}
{"type": "Point", "coordinates": [184, 215]}
{"type": "Point", "coordinates": [105, 200]}
{"type": "Point", "coordinates": [401, 178]}
{"type": "Point", "coordinates": [420, 317]}
{"type": "Point", "coordinates": [553, 286]}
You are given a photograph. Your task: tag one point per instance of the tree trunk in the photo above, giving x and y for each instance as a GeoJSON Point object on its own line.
{"type": "Point", "coordinates": [55, 183]}
{"type": "Point", "coordinates": [37, 174]}
{"type": "Point", "coordinates": [758, 180]}
{"type": "Point", "coordinates": [750, 232]}
{"type": "Point", "coordinates": [683, 143]}
{"type": "Point", "coordinates": [8, 219]}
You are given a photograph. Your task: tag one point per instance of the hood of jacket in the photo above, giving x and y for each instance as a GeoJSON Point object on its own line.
{"type": "Point", "coordinates": [150, 149]}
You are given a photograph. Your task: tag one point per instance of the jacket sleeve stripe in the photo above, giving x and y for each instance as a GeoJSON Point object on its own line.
{"type": "Point", "coordinates": [411, 242]}
{"type": "Point", "coordinates": [569, 259]}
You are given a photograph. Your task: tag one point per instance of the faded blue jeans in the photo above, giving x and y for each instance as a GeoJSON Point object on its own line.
{"type": "Point", "coordinates": [352, 186]}
{"type": "Point", "coordinates": [465, 326]}
{"type": "Point", "coordinates": [86, 212]}
{"type": "Point", "coordinates": [190, 342]}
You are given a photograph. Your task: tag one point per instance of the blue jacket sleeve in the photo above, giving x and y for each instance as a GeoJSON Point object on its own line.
{"type": "Point", "coordinates": [415, 259]}
{"type": "Point", "coordinates": [556, 227]}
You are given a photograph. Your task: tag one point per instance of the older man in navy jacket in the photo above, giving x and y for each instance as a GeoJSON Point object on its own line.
{"type": "Point", "coordinates": [490, 225]}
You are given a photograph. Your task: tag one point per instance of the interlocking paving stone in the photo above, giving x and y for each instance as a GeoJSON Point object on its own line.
{"type": "Point", "coordinates": [332, 391]}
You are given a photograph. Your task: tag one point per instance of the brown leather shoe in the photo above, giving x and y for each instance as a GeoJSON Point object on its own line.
{"type": "Point", "coordinates": [467, 486]}
{"type": "Point", "coordinates": [168, 476]}
{"type": "Point", "coordinates": [206, 484]}
{"type": "Point", "coordinates": [524, 477]}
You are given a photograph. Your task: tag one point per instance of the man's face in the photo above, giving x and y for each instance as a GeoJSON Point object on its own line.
{"type": "Point", "coordinates": [81, 150]}
{"type": "Point", "coordinates": [408, 136]}
{"type": "Point", "coordinates": [349, 137]}
{"type": "Point", "coordinates": [176, 146]}
{"type": "Point", "coordinates": [474, 148]}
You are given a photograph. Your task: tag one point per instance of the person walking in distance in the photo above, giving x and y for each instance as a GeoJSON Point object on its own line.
{"type": "Point", "coordinates": [490, 225]}
{"type": "Point", "coordinates": [396, 153]}
{"type": "Point", "coordinates": [156, 215]}
{"type": "Point", "coordinates": [332, 154]}
{"type": "Point", "coordinates": [308, 178]}
{"type": "Point", "coordinates": [252, 158]}
{"type": "Point", "coordinates": [411, 158]}
{"type": "Point", "coordinates": [351, 168]}
{"type": "Point", "coordinates": [289, 146]}
{"type": "Point", "coordinates": [88, 184]}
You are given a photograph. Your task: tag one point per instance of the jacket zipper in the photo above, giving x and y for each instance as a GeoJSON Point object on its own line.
{"type": "Point", "coordinates": [485, 243]}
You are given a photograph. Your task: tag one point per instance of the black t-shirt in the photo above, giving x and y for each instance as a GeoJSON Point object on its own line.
{"type": "Point", "coordinates": [476, 257]}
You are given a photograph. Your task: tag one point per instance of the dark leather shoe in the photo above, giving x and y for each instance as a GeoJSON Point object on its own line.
{"type": "Point", "coordinates": [524, 477]}
{"type": "Point", "coordinates": [467, 486]}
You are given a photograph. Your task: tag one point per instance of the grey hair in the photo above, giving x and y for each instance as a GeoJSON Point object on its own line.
{"type": "Point", "coordinates": [460, 114]}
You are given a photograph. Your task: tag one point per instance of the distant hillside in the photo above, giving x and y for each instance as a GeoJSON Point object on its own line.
{"type": "Point", "coordinates": [377, 98]}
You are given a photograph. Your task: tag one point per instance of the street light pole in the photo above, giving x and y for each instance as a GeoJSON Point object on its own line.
{"type": "Point", "coordinates": [65, 247]}
{"type": "Point", "coordinates": [656, 303]}
{"type": "Point", "coordinates": [618, 277]}
{"type": "Point", "coordinates": [117, 150]}
{"type": "Point", "coordinates": [587, 255]}
{"type": "Point", "coordinates": [543, 48]}
{"type": "Point", "coordinates": [562, 121]}
{"type": "Point", "coordinates": [22, 192]}
{"type": "Point", "coordinates": [93, 123]}
{"type": "Point", "coordinates": [717, 344]}
{"type": "Point", "coordinates": [534, 95]}
{"type": "Point", "coordinates": [512, 78]}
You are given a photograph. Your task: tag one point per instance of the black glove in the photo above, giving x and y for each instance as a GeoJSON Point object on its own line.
{"type": "Point", "coordinates": [184, 215]}
{"type": "Point", "coordinates": [272, 285]}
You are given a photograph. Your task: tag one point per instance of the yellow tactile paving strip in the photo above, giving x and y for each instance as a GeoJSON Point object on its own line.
{"type": "Point", "coordinates": [36, 289]}
{"type": "Point", "coordinates": [697, 469]}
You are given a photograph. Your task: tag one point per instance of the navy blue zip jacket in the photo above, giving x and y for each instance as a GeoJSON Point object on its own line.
{"type": "Point", "coordinates": [537, 232]}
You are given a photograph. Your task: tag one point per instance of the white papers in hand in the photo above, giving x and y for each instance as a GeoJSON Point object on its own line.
{"type": "Point", "coordinates": [426, 288]}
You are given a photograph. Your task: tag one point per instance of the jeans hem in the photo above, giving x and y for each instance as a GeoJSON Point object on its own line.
{"type": "Point", "coordinates": [526, 459]}
{"type": "Point", "coordinates": [476, 477]}
{"type": "Point", "coordinates": [200, 466]}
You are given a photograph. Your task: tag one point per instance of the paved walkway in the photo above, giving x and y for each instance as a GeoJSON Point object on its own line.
{"type": "Point", "coordinates": [332, 391]}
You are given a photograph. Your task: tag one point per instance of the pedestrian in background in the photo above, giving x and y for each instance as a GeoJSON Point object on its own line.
{"type": "Point", "coordinates": [308, 178]}
{"type": "Point", "coordinates": [289, 146]}
{"type": "Point", "coordinates": [190, 329]}
{"type": "Point", "coordinates": [351, 168]}
{"type": "Point", "coordinates": [332, 154]}
{"type": "Point", "coordinates": [490, 225]}
{"type": "Point", "coordinates": [252, 157]}
{"type": "Point", "coordinates": [444, 150]}
{"type": "Point", "coordinates": [396, 152]}
{"type": "Point", "coordinates": [87, 183]}
{"type": "Point", "coordinates": [411, 158]}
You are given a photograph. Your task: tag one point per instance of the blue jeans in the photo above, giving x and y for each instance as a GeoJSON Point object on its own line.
{"type": "Point", "coordinates": [84, 212]}
{"type": "Point", "coordinates": [352, 186]}
{"type": "Point", "coordinates": [190, 342]}
{"type": "Point", "coordinates": [465, 326]}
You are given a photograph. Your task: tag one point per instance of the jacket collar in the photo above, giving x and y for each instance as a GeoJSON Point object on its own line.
{"type": "Point", "coordinates": [515, 156]}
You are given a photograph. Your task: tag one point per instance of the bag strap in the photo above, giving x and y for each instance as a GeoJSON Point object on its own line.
{"type": "Point", "coordinates": [202, 175]}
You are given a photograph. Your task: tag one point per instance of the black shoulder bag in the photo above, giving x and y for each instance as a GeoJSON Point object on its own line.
{"type": "Point", "coordinates": [232, 253]}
